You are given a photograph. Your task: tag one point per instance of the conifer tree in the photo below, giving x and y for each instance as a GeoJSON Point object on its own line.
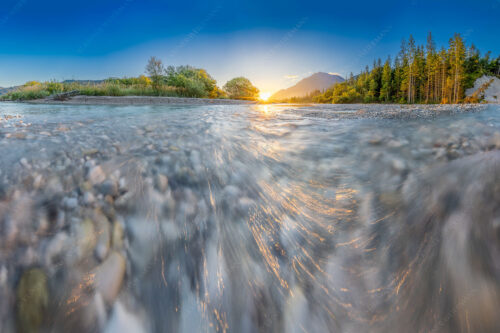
{"type": "Point", "coordinates": [418, 75]}
{"type": "Point", "coordinates": [385, 91]}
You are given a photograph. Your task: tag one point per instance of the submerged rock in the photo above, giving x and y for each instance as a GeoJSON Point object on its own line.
{"type": "Point", "coordinates": [443, 230]}
{"type": "Point", "coordinates": [109, 277]}
{"type": "Point", "coordinates": [124, 321]}
{"type": "Point", "coordinates": [96, 175]}
{"type": "Point", "coordinates": [32, 300]}
{"type": "Point", "coordinates": [103, 235]}
{"type": "Point", "coordinates": [85, 238]}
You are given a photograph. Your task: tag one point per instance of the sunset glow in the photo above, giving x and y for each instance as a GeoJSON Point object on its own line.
{"type": "Point", "coordinates": [264, 96]}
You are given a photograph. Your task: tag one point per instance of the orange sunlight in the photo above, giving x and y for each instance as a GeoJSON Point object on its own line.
{"type": "Point", "coordinates": [264, 96]}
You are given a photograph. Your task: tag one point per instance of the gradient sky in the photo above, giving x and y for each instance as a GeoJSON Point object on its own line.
{"type": "Point", "coordinates": [274, 43]}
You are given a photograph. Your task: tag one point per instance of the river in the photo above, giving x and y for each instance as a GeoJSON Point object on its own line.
{"type": "Point", "coordinates": [249, 218]}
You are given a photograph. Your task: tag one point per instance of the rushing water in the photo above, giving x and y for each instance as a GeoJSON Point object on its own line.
{"type": "Point", "coordinates": [248, 219]}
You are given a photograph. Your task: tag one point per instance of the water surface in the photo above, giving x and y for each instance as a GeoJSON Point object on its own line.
{"type": "Point", "coordinates": [247, 218]}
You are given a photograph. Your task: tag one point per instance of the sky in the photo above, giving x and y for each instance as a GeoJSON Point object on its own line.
{"type": "Point", "coordinates": [273, 43]}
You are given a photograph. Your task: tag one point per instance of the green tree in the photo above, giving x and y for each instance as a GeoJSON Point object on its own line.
{"type": "Point", "coordinates": [457, 61]}
{"type": "Point", "coordinates": [155, 70]}
{"type": "Point", "coordinates": [385, 91]}
{"type": "Point", "coordinates": [241, 88]}
{"type": "Point", "coordinates": [191, 82]}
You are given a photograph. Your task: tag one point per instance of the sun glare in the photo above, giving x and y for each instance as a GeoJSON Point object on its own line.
{"type": "Point", "coordinates": [264, 96]}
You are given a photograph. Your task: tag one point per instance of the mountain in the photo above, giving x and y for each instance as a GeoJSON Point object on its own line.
{"type": "Point", "coordinates": [4, 91]}
{"type": "Point", "coordinates": [319, 81]}
{"type": "Point", "coordinates": [85, 81]}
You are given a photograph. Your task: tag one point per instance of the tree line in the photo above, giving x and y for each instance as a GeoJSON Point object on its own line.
{"type": "Point", "coordinates": [418, 74]}
{"type": "Point", "coordinates": [195, 82]}
{"type": "Point", "coordinates": [181, 81]}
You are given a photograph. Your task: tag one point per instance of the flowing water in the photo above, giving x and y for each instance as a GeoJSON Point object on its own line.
{"type": "Point", "coordinates": [263, 218]}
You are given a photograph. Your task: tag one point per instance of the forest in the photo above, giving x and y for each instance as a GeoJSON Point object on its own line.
{"type": "Point", "coordinates": [418, 74]}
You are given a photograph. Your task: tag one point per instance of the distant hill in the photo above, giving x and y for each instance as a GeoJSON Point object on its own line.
{"type": "Point", "coordinates": [319, 81]}
{"type": "Point", "coordinates": [4, 91]}
{"type": "Point", "coordinates": [84, 81]}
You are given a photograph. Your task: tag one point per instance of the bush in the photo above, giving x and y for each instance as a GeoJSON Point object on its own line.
{"type": "Point", "coordinates": [53, 87]}
{"type": "Point", "coordinates": [183, 81]}
{"type": "Point", "coordinates": [191, 82]}
{"type": "Point", "coordinates": [241, 88]}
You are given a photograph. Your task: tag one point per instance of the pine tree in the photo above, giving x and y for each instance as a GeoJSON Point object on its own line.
{"type": "Point", "coordinates": [385, 91]}
{"type": "Point", "coordinates": [418, 74]}
{"type": "Point", "coordinates": [411, 70]}
{"type": "Point", "coordinates": [430, 68]}
{"type": "Point", "coordinates": [457, 60]}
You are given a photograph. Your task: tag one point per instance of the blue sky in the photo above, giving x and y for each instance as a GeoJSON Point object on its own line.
{"type": "Point", "coordinates": [274, 43]}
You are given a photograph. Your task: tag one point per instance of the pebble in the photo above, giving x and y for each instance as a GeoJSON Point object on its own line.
{"type": "Point", "coordinates": [88, 198]}
{"type": "Point", "coordinates": [32, 300]}
{"type": "Point", "coordinates": [109, 277]}
{"type": "Point", "coordinates": [161, 183]}
{"type": "Point", "coordinates": [396, 143]}
{"type": "Point", "coordinates": [245, 204]}
{"type": "Point", "coordinates": [109, 187]}
{"type": "Point", "coordinates": [96, 175]}
{"type": "Point", "coordinates": [3, 276]}
{"type": "Point", "coordinates": [124, 321]}
{"type": "Point", "coordinates": [399, 164]}
{"type": "Point", "coordinates": [24, 163]}
{"type": "Point", "coordinates": [117, 235]}
{"type": "Point", "coordinates": [494, 141]}
{"type": "Point", "coordinates": [55, 249]}
{"type": "Point", "coordinates": [172, 188]}
{"type": "Point", "coordinates": [84, 238]}
{"type": "Point", "coordinates": [102, 230]}
{"type": "Point", "coordinates": [70, 203]}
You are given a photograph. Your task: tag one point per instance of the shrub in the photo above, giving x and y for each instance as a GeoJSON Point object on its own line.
{"type": "Point", "coordinates": [192, 82]}
{"type": "Point", "coordinates": [241, 88]}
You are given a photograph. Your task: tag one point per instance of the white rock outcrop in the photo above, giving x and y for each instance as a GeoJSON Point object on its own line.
{"type": "Point", "coordinates": [492, 94]}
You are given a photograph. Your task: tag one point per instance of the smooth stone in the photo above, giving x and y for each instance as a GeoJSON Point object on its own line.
{"type": "Point", "coordinates": [24, 163]}
{"type": "Point", "coordinates": [399, 165]}
{"type": "Point", "coordinates": [494, 141]}
{"type": "Point", "coordinates": [123, 321]}
{"type": "Point", "coordinates": [245, 205]}
{"type": "Point", "coordinates": [88, 198]}
{"type": "Point", "coordinates": [103, 236]}
{"type": "Point", "coordinates": [96, 175]}
{"type": "Point", "coordinates": [117, 236]}
{"type": "Point", "coordinates": [10, 232]}
{"type": "Point", "coordinates": [161, 183]}
{"type": "Point", "coordinates": [3, 276]}
{"type": "Point", "coordinates": [109, 187]}
{"type": "Point", "coordinates": [144, 241]}
{"type": "Point", "coordinates": [100, 310]}
{"type": "Point", "coordinates": [55, 248]}
{"type": "Point", "coordinates": [70, 203]}
{"type": "Point", "coordinates": [32, 300]}
{"type": "Point", "coordinates": [108, 278]}
{"type": "Point", "coordinates": [85, 238]}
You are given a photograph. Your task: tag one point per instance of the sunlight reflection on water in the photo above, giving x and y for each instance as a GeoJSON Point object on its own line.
{"type": "Point", "coordinates": [253, 219]}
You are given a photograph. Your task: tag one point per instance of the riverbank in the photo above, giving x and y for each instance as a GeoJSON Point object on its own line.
{"type": "Point", "coordinates": [327, 111]}
{"type": "Point", "coordinates": [385, 111]}
{"type": "Point", "coordinates": [137, 100]}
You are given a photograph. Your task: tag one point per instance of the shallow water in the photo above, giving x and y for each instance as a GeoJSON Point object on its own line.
{"type": "Point", "coordinates": [250, 218]}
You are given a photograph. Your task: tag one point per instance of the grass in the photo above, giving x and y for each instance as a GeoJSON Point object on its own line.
{"type": "Point", "coordinates": [35, 90]}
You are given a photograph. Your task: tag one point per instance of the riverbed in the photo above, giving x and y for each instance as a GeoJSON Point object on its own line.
{"type": "Point", "coordinates": [249, 218]}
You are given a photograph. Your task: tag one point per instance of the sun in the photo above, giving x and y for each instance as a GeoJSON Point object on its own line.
{"type": "Point", "coordinates": [264, 96]}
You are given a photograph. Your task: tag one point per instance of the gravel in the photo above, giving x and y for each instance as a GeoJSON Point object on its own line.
{"type": "Point", "coordinates": [238, 217]}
